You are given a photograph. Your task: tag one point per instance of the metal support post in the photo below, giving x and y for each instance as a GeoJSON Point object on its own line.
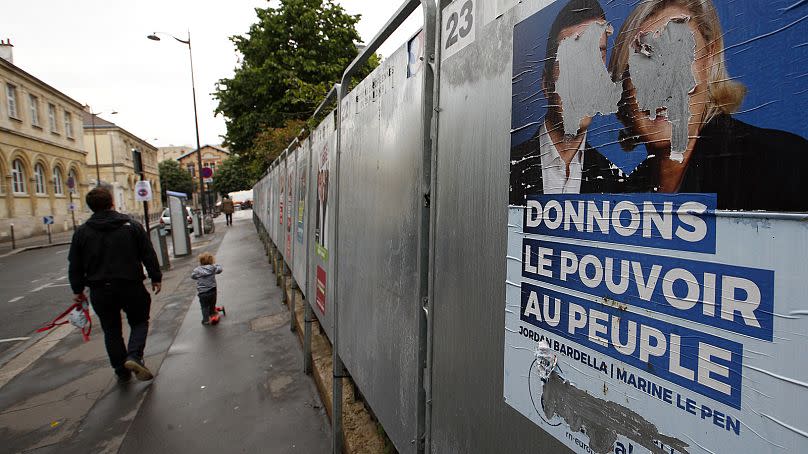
{"type": "Point", "coordinates": [292, 308]}
{"type": "Point", "coordinates": [307, 340]}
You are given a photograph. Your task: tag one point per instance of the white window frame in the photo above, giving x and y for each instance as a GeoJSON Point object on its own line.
{"type": "Point", "coordinates": [33, 103]}
{"type": "Point", "coordinates": [58, 184]}
{"type": "Point", "coordinates": [52, 117]}
{"type": "Point", "coordinates": [68, 121]}
{"type": "Point", "coordinates": [39, 179]}
{"type": "Point", "coordinates": [18, 177]}
{"type": "Point", "coordinates": [11, 99]}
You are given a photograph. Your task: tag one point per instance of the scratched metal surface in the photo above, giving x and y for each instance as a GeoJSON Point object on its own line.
{"type": "Point", "coordinates": [299, 239]}
{"type": "Point", "coordinates": [288, 207]}
{"type": "Point", "coordinates": [321, 226]}
{"type": "Point", "coordinates": [380, 171]}
{"type": "Point", "coordinates": [469, 414]}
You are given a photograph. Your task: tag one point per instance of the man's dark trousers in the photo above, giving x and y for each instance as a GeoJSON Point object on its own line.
{"type": "Point", "coordinates": [108, 300]}
{"type": "Point", "coordinates": [228, 218]}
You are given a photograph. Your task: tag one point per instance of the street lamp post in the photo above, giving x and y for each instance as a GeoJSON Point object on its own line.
{"type": "Point", "coordinates": [187, 42]}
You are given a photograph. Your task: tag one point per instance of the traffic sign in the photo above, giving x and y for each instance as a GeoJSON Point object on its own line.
{"type": "Point", "coordinates": [143, 191]}
{"type": "Point", "coordinates": [207, 172]}
{"type": "Point", "coordinates": [47, 220]}
{"type": "Point", "coordinates": [71, 183]}
{"type": "Point", "coordinates": [71, 207]}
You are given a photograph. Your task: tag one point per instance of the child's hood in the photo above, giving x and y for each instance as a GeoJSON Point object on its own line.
{"type": "Point", "coordinates": [207, 270]}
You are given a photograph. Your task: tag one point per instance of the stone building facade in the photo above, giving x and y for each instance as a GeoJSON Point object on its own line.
{"type": "Point", "coordinates": [172, 152]}
{"type": "Point", "coordinates": [41, 150]}
{"type": "Point", "coordinates": [114, 146]}
{"type": "Point", "coordinates": [212, 157]}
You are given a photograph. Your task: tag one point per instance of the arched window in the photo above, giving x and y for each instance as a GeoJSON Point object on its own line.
{"type": "Point", "coordinates": [72, 176]}
{"type": "Point", "coordinates": [39, 178]}
{"type": "Point", "coordinates": [18, 177]}
{"type": "Point", "coordinates": [58, 187]}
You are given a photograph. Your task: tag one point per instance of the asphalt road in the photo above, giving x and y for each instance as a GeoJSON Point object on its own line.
{"type": "Point", "coordinates": [33, 291]}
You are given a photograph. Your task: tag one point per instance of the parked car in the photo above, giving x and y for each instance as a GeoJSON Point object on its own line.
{"type": "Point", "coordinates": [165, 220]}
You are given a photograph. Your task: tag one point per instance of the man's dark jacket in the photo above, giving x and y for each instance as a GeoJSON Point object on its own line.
{"type": "Point", "coordinates": [110, 247]}
{"type": "Point", "coordinates": [598, 175]}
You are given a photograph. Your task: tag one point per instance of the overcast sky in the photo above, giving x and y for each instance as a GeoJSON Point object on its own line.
{"type": "Point", "coordinates": [96, 52]}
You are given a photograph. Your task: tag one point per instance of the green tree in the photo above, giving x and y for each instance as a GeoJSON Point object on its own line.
{"type": "Point", "coordinates": [290, 58]}
{"type": "Point", "coordinates": [230, 177]}
{"type": "Point", "coordinates": [174, 178]}
{"type": "Point", "coordinates": [269, 144]}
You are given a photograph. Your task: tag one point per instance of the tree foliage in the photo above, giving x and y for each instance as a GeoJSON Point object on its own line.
{"type": "Point", "coordinates": [174, 178]}
{"type": "Point", "coordinates": [290, 58]}
{"type": "Point", "coordinates": [231, 177]}
{"type": "Point", "coordinates": [270, 143]}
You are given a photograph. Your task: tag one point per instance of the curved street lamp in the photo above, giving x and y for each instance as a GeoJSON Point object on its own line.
{"type": "Point", "coordinates": [187, 42]}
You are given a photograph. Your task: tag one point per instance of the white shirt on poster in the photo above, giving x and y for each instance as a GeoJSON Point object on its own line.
{"type": "Point", "coordinates": [554, 169]}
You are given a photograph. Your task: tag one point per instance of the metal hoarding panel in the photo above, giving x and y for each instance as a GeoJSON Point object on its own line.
{"type": "Point", "coordinates": [380, 178]}
{"type": "Point", "coordinates": [321, 224]}
{"type": "Point", "coordinates": [300, 220]}
{"type": "Point", "coordinates": [628, 353]}
{"type": "Point", "coordinates": [468, 411]}
{"type": "Point", "coordinates": [274, 228]}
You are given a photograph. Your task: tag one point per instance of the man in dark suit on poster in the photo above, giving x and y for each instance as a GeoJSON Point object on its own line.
{"type": "Point", "coordinates": [553, 161]}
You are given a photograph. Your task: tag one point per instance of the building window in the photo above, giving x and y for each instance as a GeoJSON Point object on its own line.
{"type": "Point", "coordinates": [18, 177]}
{"type": "Point", "coordinates": [33, 101]}
{"type": "Point", "coordinates": [190, 168]}
{"type": "Point", "coordinates": [39, 178]}
{"type": "Point", "coordinates": [52, 117]}
{"type": "Point", "coordinates": [11, 95]}
{"type": "Point", "coordinates": [72, 176]}
{"type": "Point", "coordinates": [58, 187]}
{"type": "Point", "coordinates": [68, 125]}
{"type": "Point", "coordinates": [213, 167]}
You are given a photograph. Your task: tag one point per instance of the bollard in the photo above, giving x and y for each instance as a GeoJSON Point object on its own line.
{"type": "Point", "coordinates": [13, 242]}
{"type": "Point", "coordinates": [50, 241]}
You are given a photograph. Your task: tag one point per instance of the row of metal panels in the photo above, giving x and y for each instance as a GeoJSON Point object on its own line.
{"type": "Point", "coordinates": [706, 356]}
{"type": "Point", "coordinates": [380, 209]}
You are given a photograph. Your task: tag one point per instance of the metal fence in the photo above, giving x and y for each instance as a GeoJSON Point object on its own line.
{"type": "Point", "coordinates": [436, 286]}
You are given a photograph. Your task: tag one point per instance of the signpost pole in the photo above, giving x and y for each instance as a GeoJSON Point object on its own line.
{"type": "Point", "coordinates": [72, 209]}
{"type": "Point", "coordinates": [145, 210]}
{"type": "Point", "coordinates": [49, 235]}
{"type": "Point", "coordinates": [71, 188]}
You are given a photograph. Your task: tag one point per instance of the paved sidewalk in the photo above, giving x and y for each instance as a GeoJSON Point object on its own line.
{"type": "Point", "coordinates": [235, 387]}
{"type": "Point", "coordinates": [36, 241]}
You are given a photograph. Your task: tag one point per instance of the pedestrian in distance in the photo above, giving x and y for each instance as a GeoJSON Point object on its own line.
{"type": "Point", "coordinates": [205, 277]}
{"type": "Point", "coordinates": [227, 209]}
{"type": "Point", "coordinates": [107, 254]}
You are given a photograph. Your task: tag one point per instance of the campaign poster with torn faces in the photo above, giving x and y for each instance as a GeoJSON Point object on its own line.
{"type": "Point", "coordinates": [655, 274]}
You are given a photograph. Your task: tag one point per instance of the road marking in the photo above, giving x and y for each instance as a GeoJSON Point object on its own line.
{"type": "Point", "coordinates": [41, 287]}
{"type": "Point", "coordinates": [14, 339]}
{"type": "Point", "coordinates": [62, 251]}
{"type": "Point", "coordinates": [33, 353]}
{"type": "Point", "coordinates": [14, 300]}
{"type": "Point", "coordinates": [61, 278]}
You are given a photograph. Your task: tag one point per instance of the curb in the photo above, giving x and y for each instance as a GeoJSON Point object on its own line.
{"type": "Point", "coordinates": [33, 248]}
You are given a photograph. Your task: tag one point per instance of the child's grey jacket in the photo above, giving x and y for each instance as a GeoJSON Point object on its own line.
{"type": "Point", "coordinates": [205, 277]}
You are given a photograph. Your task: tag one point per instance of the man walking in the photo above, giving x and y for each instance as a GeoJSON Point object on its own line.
{"type": "Point", "coordinates": [107, 254]}
{"type": "Point", "coordinates": [227, 209]}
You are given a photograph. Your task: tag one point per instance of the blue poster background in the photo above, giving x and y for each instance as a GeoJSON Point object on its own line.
{"type": "Point", "coordinates": [760, 39]}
